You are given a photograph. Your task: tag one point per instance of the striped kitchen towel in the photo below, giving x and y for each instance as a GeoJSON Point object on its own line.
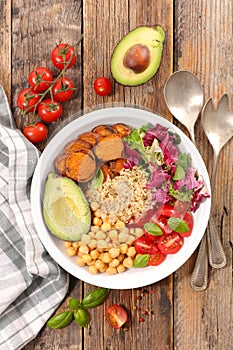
{"type": "Point", "coordinates": [32, 285]}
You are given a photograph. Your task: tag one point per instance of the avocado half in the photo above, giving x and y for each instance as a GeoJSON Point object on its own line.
{"type": "Point", "coordinates": [65, 209]}
{"type": "Point", "coordinates": [137, 57]}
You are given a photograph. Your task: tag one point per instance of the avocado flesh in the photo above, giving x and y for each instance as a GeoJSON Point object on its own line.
{"type": "Point", "coordinates": [65, 209]}
{"type": "Point", "coordinates": [153, 38]}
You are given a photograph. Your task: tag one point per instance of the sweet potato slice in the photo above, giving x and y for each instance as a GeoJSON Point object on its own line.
{"type": "Point", "coordinates": [80, 166]}
{"type": "Point", "coordinates": [106, 171]}
{"type": "Point", "coordinates": [117, 165]}
{"type": "Point", "coordinates": [60, 164]}
{"type": "Point", "coordinates": [109, 147]}
{"type": "Point", "coordinates": [122, 129]}
{"type": "Point", "coordinates": [76, 145]}
{"type": "Point", "coordinates": [89, 137]}
{"type": "Point", "coordinates": [104, 130]}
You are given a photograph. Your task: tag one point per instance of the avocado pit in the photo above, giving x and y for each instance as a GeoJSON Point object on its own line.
{"type": "Point", "coordinates": [137, 58]}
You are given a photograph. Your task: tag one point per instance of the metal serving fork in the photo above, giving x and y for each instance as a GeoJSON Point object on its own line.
{"type": "Point", "coordinates": [218, 127]}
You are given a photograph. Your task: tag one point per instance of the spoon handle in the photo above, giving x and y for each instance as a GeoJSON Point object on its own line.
{"type": "Point", "coordinates": [199, 277]}
{"type": "Point", "coordinates": [217, 257]}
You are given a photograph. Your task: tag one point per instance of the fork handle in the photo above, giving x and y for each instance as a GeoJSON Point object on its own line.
{"type": "Point", "coordinates": [217, 257]}
{"type": "Point", "coordinates": [199, 277]}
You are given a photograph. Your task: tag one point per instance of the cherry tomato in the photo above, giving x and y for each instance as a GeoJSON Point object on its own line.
{"type": "Point", "coordinates": [188, 218]}
{"type": "Point", "coordinates": [61, 54]}
{"type": "Point", "coordinates": [40, 79]}
{"type": "Point", "coordinates": [170, 244]}
{"type": "Point", "coordinates": [49, 110]}
{"type": "Point", "coordinates": [161, 221]}
{"type": "Point", "coordinates": [143, 245]}
{"type": "Point", "coordinates": [27, 99]}
{"type": "Point", "coordinates": [63, 89]}
{"type": "Point", "coordinates": [156, 259]}
{"type": "Point", "coordinates": [36, 133]}
{"type": "Point", "coordinates": [116, 316]}
{"type": "Point", "coordinates": [102, 86]}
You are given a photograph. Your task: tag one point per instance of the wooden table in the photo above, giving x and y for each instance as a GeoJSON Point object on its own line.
{"type": "Point", "coordinates": [199, 39]}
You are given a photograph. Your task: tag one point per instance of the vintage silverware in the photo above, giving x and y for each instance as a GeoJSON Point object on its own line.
{"type": "Point", "coordinates": [218, 127]}
{"type": "Point", "coordinates": [183, 95]}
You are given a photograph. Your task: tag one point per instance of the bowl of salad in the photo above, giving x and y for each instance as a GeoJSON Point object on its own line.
{"type": "Point", "coordinates": [120, 198]}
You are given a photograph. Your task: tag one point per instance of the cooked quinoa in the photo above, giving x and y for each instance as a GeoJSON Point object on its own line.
{"type": "Point", "coordinates": [123, 197]}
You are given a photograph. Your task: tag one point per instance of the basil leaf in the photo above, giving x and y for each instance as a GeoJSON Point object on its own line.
{"type": "Point", "coordinates": [60, 320]}
{"type": "Point", "coordinates": [178, 225]}
{"type": "Point", "coordinates": [179, 173]}
{"type": "Point", "coordinates": [82, 317]}
{"type": "Point", "coordinates": [141, 261]}
{"type": "Point", "coordinates": [97, 179]}
{"type": "Point", "coordinates": [153, 229]}
{"type": "Point", "coordinates": [74, 303]}
{"type": "Point", "coordinates": [94, 298]}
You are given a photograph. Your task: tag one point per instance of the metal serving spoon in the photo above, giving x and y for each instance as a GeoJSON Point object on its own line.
{"type": "Point", "coordinates": [183, 94]}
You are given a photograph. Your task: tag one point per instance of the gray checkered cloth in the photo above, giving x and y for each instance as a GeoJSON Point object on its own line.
{"type": "Point", "coordinates": [32, 285]}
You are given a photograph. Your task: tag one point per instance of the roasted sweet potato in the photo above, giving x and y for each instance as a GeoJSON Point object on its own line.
{"type": "Point", "coordinates": [80, 166]}
{"type": "Point", "coordinates": [60, 164]}
{"type": "Point", "coordinates": [76, 145]}
{"type": "Point", "coordinates": [117, 165]}
{"type": "Point", "coordinates": [104, 130]}
{"type": "Point", "coordinates": [122, 129]}
{"type": "Point", "coordinates": [106, 171]}
{"type": "Point", "coordinates": [89, 137]}
{"type": "Point", "coordinates": [109, 147]}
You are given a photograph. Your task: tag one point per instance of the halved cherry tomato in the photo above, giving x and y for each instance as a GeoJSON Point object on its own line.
{"type": "Point", "coordinates": [116, 315]}
{"type": "Point", "coordinates": [40, 79]}
{"type": "Point", "coordinates": [161, 221]}
{"type": "Point", "coordinates": [188, 218]}
{"type": "Point", "coordinates": [49, 110]}
{"type": "Point", "coordinates": [102, 86]}
{"type": "Point", "coordinates": [36, 133]}
{"type": "Point", "coordinates": [156, 258]}
{"type": "Point", "coordinates": [143, 245]}
{"type": "Point", "coordinates": [61, 54]}
{"type": "Point", "coordinates": [170, 244]}
{"type": "Point", "coordinates": [27, 99]}
{"type": "Point", "coordinates": [63, 89]}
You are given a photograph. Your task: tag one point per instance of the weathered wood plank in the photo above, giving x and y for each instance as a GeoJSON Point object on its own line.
{"type": "Point", "coordinates": [203, 45]}
{"type": "Point", "coordinates": [112, 21]}
{"type": "Point", "coordinates": [5, 44]}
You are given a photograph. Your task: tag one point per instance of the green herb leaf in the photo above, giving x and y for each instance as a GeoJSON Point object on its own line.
{"type": "Point", "coordinates": [60, 320]}
{"type": "Point", "coordinates": [82, 317]}
{"type": "Point", "coordinates": [94, 298]}
{"type": "Point", "coordinates": [184, 196]}
{"type": "Point", "coordinates": [74, 303]}
{"type": "Point", "coordinates": [141, 261]}
{"type": "Point", "coordinates": [97, 179]}
{"type": "Point", "coordinates": [178, 225]}
{"type": "Point", "coordinates": [153, 229]}
{"type": "Point", "coordinates": [179, 173]}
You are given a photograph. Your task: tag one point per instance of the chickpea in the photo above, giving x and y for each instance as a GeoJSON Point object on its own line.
{"type": "Point", "coordinates": [93, 270]}
{"type": "Point", "coordinates": [113, 234]}
{"type": "Point", "coordinates": [97, 213]}
{"type": "Point", "coordinates": [123, 248]}
{"type": "Point", "coordinates": [85, 239]}
{"type": "Point", "coordinates": [111, 270]}
{"type": "Point", "coordinates": [106, 258]}
{"type": "Point", "coordinates": [67, 244]}
{"type": "Point", "coordinates": [115, 262]}
{"type": "Point", "coordinates": [87, 258]}
{"type": "Point", "coordinates": [83, 249]}
{"type": "Point", "coordinates": [131, 251]}
{"type": "Point", "coordinates": [95, 254]}
{"type": "Point", "coordinates": [138, 232]}
{"type": "Point", "coordinates": [100, 235]}
{"type": "Point", "coordinates": [94, 229]}
{"type": "Point", "coordinates": [105, 226]}
{"type": "Point", "coordinates": [114, 252]}
{"type": "Point", "coordinates": [80, 261]}
{"type": "Point", "coordinates": [75, 244]}
{"type": "Point", "coordinates": [119, 224]}
{"type": "Point", "coordinates": [93, 243]}
{"type": "Point", "coordinates": [101, 244]}
{"type": "Point", "coordinates": [128, 262]}
{"type": "Point", "coordinates": [123, 237]}
{"type": "Point", "coordinates": [94, 206]}
{"type": "Point", "coordinates": [121, 257]}
{"type": "Point", "coordinates": [130, 239]}
{"type": "Point", "coordinates": [71, 251]}
{"type": "Point", "coordinates": [97, 221]}
{"type": "Point", "coordinates": [99, 264]}
{"type": "Point", "coordinates": [120, 268]}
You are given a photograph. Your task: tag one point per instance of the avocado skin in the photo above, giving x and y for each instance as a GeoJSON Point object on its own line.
{"type": "Point", "coordinates": [65, 209]}
{"type": "Point", "coordinates": [153, 38]}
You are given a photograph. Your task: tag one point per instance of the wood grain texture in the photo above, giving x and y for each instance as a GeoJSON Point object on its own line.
{"type": "Point", "coordinates": [203, 45]}
{"type": "Point", "coordinates": [5, 44]}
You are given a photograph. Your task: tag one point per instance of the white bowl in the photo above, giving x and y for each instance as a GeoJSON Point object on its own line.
{"type": "Point", "coordinates": [132, 278]}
